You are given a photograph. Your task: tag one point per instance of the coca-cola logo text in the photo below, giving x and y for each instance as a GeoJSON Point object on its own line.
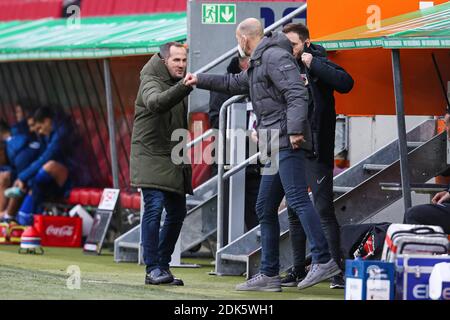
{"type": "Point", "coordinates": [62, 231]}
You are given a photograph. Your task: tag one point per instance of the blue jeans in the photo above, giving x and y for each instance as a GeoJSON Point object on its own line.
{"type": "Point", "coordinates": [158, 245]}
{"type": "Point", "coordinates": [319, 177]}
{"type": "Point", "coordinates": [290, 180]}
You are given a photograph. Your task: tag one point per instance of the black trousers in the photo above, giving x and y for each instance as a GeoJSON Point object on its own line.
{"type": "Point", "coordinates": [252, 181]}
{"type": "Point", "coordinates": [430, 214]}
{"type": "Point", "coordinates": [319, 177]}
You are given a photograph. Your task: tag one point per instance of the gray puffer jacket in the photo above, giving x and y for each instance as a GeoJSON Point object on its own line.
{"type": "Point", "coordinates": [277, 91]}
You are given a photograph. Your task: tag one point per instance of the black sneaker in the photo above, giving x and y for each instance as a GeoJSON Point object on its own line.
{"type": "Point", "coordinates": [159, 276]}
{"type": "Point", "coordinates": [292, 278]}
{"type": "Point", "coordinates": [337, 282]}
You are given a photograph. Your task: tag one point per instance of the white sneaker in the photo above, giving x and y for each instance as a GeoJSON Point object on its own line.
{"type": "Point", "coordinates": [318, 273]}
{"type": "Point", "coordinates": [261, 282]}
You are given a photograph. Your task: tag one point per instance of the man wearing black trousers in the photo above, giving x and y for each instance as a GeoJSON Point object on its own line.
{"type": "Point", "coordinates": [322, 78]}
{"type": "Point", "coordinates": [436, 213]}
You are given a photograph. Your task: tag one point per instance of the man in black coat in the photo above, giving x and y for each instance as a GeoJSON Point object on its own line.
{"type": "Point", "coordinates": [322, 77]}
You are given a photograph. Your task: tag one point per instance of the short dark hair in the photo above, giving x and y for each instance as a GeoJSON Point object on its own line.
{"type": "Point", "coordinates": [28, 107]}
{"type": "Point", "coordinates": [4, 127]}
{"type": "Point", "coordinates": [43, 113]}
{"type": "Point", "coordinates": [164, 50]}
{"type": "Point", "coordinates": [298, 28]}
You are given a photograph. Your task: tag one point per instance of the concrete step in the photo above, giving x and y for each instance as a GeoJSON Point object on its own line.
{"type": "Point", "coordinates": [374, 167]}
{"type": "Point", "coordinates": [414, 144]}
{"type": "Point", "coordinates": [129, 245]}
{"type": "Point", "coordinates": [235, 257]}
{"type": "Point", "coordinates": [340, 189]}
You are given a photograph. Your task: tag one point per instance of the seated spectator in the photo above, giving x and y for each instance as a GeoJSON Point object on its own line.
{"type": "Point", "coordinates": [50, 175]}
{"type": "Point", "coordinates": [23, 112]}
{"type": "Point", "coordinates": [21, 150]}
{"type": "Point", "coordinates": [437, 213]}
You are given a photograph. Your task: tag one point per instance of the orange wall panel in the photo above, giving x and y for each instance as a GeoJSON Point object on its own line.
{"type": "Point", "coordinates": [330, 16]}
{"type": "Point", "coordinates": [373, 92]}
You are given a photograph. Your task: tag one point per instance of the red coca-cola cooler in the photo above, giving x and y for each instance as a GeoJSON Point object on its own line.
{"type": "Point", "coordinates": [59, 231]}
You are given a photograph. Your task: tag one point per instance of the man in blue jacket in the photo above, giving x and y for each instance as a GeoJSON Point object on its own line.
{"type": "Point", "coordinates": [47, 176]}
{"type": "Point", "coordinates": [21, 151]}
{"type": "Point", "coordinates": [322, 77]}
{"type": "Point", "coordinates": [22, 113]}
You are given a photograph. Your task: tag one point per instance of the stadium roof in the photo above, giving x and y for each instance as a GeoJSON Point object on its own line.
{"type": "Point", "coordinates": [426, 28]}
{"type": "Point", "coordinates": [101, 37]}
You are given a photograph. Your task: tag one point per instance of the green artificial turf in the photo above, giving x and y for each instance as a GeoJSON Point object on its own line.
{"type": "Point", "coordinates": [24, 276]}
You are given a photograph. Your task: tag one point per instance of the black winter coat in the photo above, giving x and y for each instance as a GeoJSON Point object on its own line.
{"type": "Point", "coordinates": [216, 99]}
{"type": "Point", "coordinates": [324, 78]}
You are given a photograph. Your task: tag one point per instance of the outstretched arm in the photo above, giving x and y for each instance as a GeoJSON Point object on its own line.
{"type": "Point", "coordinates": [162, 101]}
{"type": "Point", "coordinates": [233, 84]}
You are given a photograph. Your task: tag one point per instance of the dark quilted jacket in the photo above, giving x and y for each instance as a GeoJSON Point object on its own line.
{"type": "Point", "coordinates": [273, 80]}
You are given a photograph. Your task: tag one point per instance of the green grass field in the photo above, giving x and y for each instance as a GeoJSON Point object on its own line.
{"type": "Point", "coordinates": [44, 277]}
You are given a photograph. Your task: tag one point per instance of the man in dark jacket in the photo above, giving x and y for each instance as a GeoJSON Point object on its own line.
{"type": "Point", "coordinates": [322, 77]}
{"type": "Point", "coordinates": [161, 108]}
{"type": "Point", "coordinates": [280, 102]}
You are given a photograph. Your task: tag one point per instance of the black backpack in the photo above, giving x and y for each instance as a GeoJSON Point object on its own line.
{"type": "Point", "coordinates": [364, 241]}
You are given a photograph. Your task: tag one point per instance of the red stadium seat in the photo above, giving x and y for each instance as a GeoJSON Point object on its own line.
{"type": "Point", "coordinates": [126, 200]}
{"type": "Point", "coordinates": [74, 197]}
{"type": "Point", "coordinates": [180, 6]}
{"type": "Point", "coordinates": [79, 196]}
{"type": "Point", "coordinates": [94, 197]}
{"type": "Point", "coordinates": [198, 124]}
{"type": "Point", "coordinates": [136, 202]}
{"type": "Point", "coordinates": [97, 8]}
{"type": "Point", "coordinates": [84, 197]}
{"type": "Point", "coordinates": [131, 7]}
{"type": "Point", "coordinates": [30, 9]}
{"type": "Point", "coordinates": [164, 5]}
{"type": "Point", "coordinates": [37, 9]}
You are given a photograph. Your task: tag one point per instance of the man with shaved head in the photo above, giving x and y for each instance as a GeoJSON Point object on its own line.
{"type": "Point", "coordinates": [280, 102]}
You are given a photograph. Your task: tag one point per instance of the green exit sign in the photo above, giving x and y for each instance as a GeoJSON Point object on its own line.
{"type": "Point", "coordinates": [218, 13]}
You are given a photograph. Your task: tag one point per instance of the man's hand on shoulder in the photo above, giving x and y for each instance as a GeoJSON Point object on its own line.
{"type": "Point", "coordinates": [190, 80]}
{"type": "Point", "coordinates": [307, 59]}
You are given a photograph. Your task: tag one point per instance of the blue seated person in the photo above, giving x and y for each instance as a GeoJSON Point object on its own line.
{"type": "Point", "coordinates": [21, 150]}
{"type": "Point", "coordinates": [22, 114]}
{"type": "Point", "coordinates": [49, 175]}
